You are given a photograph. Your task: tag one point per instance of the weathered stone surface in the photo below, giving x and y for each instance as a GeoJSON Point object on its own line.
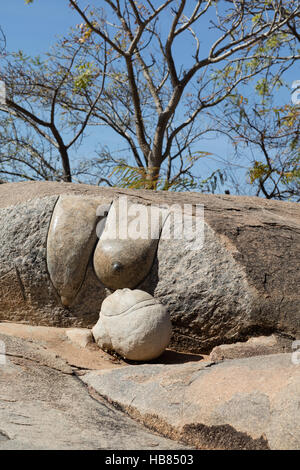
{"type": "Point", "coordinates": [257, 346]}
{"type": "Point", "coordinates": [248, 403]}
{"type": "Point", "coordinates": [243, 282]}
{"type": "Point", "coordinates": [43, 408]}
{"type": "Point", "coordinates": [80, 336]}
{"type": "Point", "coordinates": [133, 324]}
{"type": "Point", "coordinates": [26, 291]}
{"type": "Point", "coordinates": [18, 347]}
{"type": "Point", "coordinates": [55, 341]}
{"type": "Point", "coordinates": [25, 287]}
{"type": "Point", "coordinates": [49, 345]}
{"type": "Point", "coordinates": [235, 285]}
{"type": "Point", "coordinates": [124, 254]}
{"type": "Point", "coordinates": [70, 243]}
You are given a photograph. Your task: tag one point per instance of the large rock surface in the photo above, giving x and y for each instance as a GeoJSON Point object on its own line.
{"type": "Point", "coordinates": [238, 404]}
{"type": "Point", "coordinates": [256, 346]}
{"type": "Point", "coordinates": [244, 281]}
{"type": "Point", "coordinates": [250, 403]}
{"type": "Point", "coordinates": [43, 405]}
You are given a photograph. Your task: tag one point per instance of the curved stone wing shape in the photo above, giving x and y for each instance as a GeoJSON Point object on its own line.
{"type": "Point", "coordinates": [71, 240]}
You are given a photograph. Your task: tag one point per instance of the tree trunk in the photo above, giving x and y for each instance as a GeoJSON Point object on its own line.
{"type": "Point", "coordinates": [67, 177]}
{"type": "Point", "coordinates": [152, 177]}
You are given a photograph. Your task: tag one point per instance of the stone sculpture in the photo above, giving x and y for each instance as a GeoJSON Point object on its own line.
{"type": "Point", "coordinates": [57, 266]}
{"type": "Point", "coordinates": [119, 260]}
{"type": "Point", "coordinates": [70, 242]}
{"type": "Point", "coordinates": [133, 324]}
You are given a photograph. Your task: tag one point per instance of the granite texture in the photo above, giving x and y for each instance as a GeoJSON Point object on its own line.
{"type": "Point", "coordinates": [26, 290]}
{"type": "Point", "coordinates": [133, 324]}
{"type": "Point", "coordinates": [240, 404]}
{"type": "Point", "coordinates": [43, 406]}
{"type": "Point", "coordinates": [71, 241]}
{"type": "Point", "coordinates": [243, 281]}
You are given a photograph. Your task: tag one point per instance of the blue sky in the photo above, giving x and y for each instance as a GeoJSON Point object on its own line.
{"type": "Point", "coordinates": [34, 28]}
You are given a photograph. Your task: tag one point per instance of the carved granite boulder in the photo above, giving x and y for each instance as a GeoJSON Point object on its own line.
{"type": "Point", "coordinates": [70, 242]}
{"type": "Point", "coordinates": [133, 324]}
{"type": "Point", "coordinates": [36, 284]}
{"type": "Point", "coordinates": [59, 261]}
{"type": "Point", "coordinates": [124, 254]}
{"type": "Point", "coordinates": [239, 404]}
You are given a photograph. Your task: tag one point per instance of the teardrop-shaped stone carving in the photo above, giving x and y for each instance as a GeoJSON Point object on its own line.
{"type": "Point", "coordinates": [125, 252]}
{"type": "Point", "coordinates": [71, 240]}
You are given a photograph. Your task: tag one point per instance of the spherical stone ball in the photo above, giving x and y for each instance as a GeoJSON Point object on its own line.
{"type": "Point", "coordinates": [134, 324]}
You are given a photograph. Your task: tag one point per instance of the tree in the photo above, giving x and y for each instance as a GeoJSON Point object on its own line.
{"type": "Point", "coordinates": [248, 36]}
{"type": "Point", "coordinates": [37, 130]}
{"type": "Point", "coordinates": [270, 135]}
{"type": "Point", "coordinates": [152, 98]}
